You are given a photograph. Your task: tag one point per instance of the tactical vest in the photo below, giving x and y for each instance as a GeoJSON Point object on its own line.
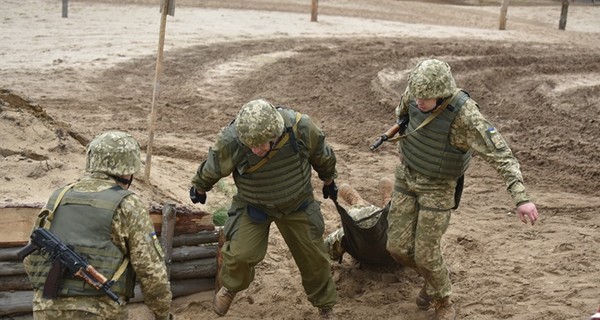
{"type": "Point", "coordinates": [284, 181]}
{"type": "Point", "coordinates": [83, 220]}
{"type": "Point", "coordinates": [428, 150]}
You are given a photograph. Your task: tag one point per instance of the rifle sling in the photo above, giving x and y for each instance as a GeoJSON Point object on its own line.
{"type": "Point", "coordinates": [430, 118]}
{"type": "Point", "coordinates": [48, 220]}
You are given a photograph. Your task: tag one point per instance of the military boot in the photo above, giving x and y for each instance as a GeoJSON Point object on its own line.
{"type": "Point", "coordinates": [424, 300]}
{"type": "Point", "coordinates": [327, 313]}
{"type": "Point", "coordinates": [222, 301]}
{"type": "Point", "coordinates": [351, 196]}
{"type": "Point", "coordinates": [386, 187]}
{"type": "Point", "coordinates": [444, 309]}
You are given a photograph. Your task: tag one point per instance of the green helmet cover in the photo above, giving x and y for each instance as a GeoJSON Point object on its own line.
{"type": "Point", "coordinates": [258, 122]}
{"type": "Point", "coordinates": [113, 152]}
{"type": "Point", "coordinates": [431, 79]}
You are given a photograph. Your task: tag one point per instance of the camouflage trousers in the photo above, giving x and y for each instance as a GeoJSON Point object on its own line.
{"type": "Point", "coordinates": [247, 241]}
{"type": "Point", "coordinates": [333, 242]}
{"type": "Point", "coordinates": [418, 218]}
{"type": "Point", "coordinates": [83, 307]}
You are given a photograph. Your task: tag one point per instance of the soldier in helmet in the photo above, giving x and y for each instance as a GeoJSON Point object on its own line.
{"type": "Point", "coordinates": [110, 227]}
{"type": "Point", "coordinates": [444, 130]}
{"type": "Point", "coordinates": [269, 152]}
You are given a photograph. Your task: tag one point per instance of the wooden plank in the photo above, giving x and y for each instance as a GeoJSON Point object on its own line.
{"type": "Point", "coordinates": [17, 223]}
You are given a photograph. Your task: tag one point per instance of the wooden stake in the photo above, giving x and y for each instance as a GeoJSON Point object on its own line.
{"type": "Point", "coordinates": [562, 23]}
{"type": "Point", "coordinates": [313, 11]}
{"type": "Point", "coordinates": [157, 73]}
{"type": "Point", "coordinates": [503, 11]}
{"type": "Point", "coordinates": [167, 232]}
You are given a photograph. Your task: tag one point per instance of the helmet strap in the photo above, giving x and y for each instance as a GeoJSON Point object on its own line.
{"type": "Point", "coordinates": [123, 181]}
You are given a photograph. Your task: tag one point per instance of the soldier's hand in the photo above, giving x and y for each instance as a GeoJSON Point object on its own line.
{"type": "Point", "coordinates": [330, 190]}
{"type": "Point", "coordinates": [528, 210]}
{"type": "Point", "coordinates": [196, 196]}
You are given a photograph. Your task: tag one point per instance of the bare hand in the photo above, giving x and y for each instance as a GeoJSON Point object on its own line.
{"type": "Point", "coordinates": [527, 210]}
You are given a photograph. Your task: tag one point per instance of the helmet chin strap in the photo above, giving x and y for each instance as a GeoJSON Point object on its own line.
{"type": "Point", "coordinates": [123, 181]}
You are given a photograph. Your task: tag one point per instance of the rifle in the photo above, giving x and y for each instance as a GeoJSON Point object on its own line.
{"type": "Point", "coordinates": [64, 260]}
{"type": "Point", "coordinates": [398, 127]}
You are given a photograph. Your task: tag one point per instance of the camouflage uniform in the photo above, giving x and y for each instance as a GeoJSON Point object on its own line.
{"type": "Point", "coordinates": [279, 191]}
{"type": "Point", "coordinates": [131, 231]}
{"type": "Point", "coordinates": [421, 204]}
{"type": "Point", "coordinates": [333, 242]}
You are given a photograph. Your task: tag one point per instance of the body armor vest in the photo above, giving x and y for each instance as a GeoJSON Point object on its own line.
{"type": "Point", "coordinates": [83, 220]}
{"type": "Point", "coordinates": [284, 181]}
{"type": "Point", "coordinates": [428, 150]}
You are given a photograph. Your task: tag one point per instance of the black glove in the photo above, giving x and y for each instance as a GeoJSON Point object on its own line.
{"type": "Point", "coordinates": [197, 197]}
{"type": "Point", "coordinates": [330, 191]}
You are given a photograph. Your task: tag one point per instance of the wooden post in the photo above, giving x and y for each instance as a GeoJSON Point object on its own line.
{"type": "Point", "coordinates": [313, 11]}
{"type": "Point", "coordinates": [218, 283]}
{"type": "Point", "coordinates": [503, 11]}
{"type": "Point", "coordinates": [65, 8]}
{"type": "Point", "coordinates": [562, 23]}
{"type": "Point", "coordinates": [167, 233]}
{"type": "Point", "coordinates": [157, 73]}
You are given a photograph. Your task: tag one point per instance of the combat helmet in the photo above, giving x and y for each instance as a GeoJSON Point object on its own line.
{"type": "Point", "coordinates": [258, 122]}
{"type": "Point", "coordinates": [431, 79]}
{"type": "Point", "coordinates": [115, 153]}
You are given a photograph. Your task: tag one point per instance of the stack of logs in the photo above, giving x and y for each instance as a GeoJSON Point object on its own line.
{"type": "Point", "coordinates": [189, 238]}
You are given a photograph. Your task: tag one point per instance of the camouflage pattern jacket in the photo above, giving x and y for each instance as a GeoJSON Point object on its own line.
{"type": "Point", "coordinates": [132, 232]}
{"type": "Point", "coordinates": [471, 131]}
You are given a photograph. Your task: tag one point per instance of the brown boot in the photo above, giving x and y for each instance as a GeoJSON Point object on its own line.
{"type": "Point", "coordinates": [327, 313]}
{"type": "Point", "coordinates": [222, 301]}
{"type": "Point", "coordinates": [386, 187]}
{"type": "Point", "coordinates": [424, 300]}
{"type": "Point", "coordinates": [444, 310]}
{"type": "Point", "coordinates": [351, 196]}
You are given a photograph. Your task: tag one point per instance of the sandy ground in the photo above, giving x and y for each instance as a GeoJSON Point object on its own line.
{"type": "Point", "coordinates": [94, 71]}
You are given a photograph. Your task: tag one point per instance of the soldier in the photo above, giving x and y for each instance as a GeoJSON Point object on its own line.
{"type": "Point", "coordinates": [445, 127]}
{"type": "Point", "coordinates": [108, 225]}
{"type": "Point", "coordinates": [270, 152]}
{"type": "Point", "coordinates": [364, 227]}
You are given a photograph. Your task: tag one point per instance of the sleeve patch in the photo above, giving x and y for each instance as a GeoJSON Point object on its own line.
{"type": "Point", "coordinates": [495, 137]}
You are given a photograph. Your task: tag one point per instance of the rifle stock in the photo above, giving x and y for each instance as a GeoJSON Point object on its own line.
{"type": "Point", "coordinates": [65, 260]}
{"type": "Point", "coordinates": [398, 127]}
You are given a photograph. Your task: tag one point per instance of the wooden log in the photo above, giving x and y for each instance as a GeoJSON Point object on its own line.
{"type": "Point", "coordinates": [18, 220]}
{"type": "Point", "coordinates": [9, 254]}
{"type": "Point", "coordinates": [15, 302]}
{"type": "Point", "coordinates": [195, 239]}
{"type": "Point", "coordinates": [200, 268]}
{"type": "Point", "coordinates": [181, 288]}
{"type": "Point", "coordinates": [187, 221]}
{"type": "Point", "coordinates": [11, 268]}
{"type": "Point", "coordinates": [19, 302]}
{"type": "Point", "coordinates": [15, 283]}
{"type": "Point", "coordinates": [184, 253]}
{"type": "Point", "coordinates": [167, 232]}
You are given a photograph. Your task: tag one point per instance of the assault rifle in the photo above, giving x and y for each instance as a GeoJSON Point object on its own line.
{"type": "Point", "coordinates": [65, 261]}
{"type": "Point", "coordinates": [398, 127]}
